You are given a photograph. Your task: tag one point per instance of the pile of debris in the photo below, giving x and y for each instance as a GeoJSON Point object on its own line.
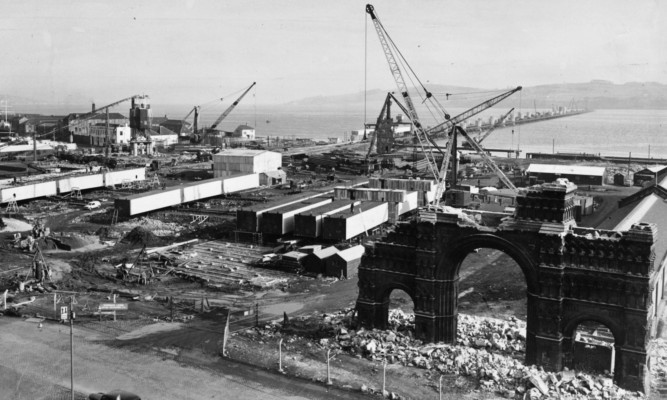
{"type": "Point", "coordinates": [141, 236]}
{"type": "Point", "coordinates": [487, 349]}
{"type": "Point", "coordinates": [157, 227]}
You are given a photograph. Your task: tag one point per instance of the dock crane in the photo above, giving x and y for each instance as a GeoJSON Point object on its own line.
{"type": "Point", "coordinates": [423, 136]}
{"type": "Point", "coordinates": [198, 139]}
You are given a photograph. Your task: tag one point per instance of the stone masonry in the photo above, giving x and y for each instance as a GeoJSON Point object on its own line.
{"type": "Point", "coordinates": [572, 275]}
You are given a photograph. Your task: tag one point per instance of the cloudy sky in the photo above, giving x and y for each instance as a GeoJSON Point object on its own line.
{"type": "Point", "coordinates": [189, 52]}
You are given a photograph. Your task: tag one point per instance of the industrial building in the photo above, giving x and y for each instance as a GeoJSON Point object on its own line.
{"type": "Point", "coordinates": [234, 161]}
{"type": "Point", "coordinates": [280, 221]}
{"type": "Point", "coordinates": [309, 224]}
{"type": "Point", "coordinates": [314, 263]}
{"type": "Point", "coordinates": [579, 175]}
{"type": "Point", "coordinates": [649, 175]}
{"type": "Point", "coordinates": [345, 263]}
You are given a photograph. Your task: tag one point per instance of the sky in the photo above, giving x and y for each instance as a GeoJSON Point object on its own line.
{"type": "Point", "coordinates": [192, 52]}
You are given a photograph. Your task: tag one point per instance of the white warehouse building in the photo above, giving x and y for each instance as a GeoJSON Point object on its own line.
{"type": "Point", "coordinates": [235, 161]}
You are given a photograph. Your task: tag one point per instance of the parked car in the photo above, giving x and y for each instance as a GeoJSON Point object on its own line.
{"type": "Point", "coordinates": [92, 204]}
{"type": "Point", "coordinates": [114, 395]}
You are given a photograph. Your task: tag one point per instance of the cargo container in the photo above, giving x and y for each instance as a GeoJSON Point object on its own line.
{"type": "Point", "coordinates": [239, 183]}
{"type": "Point", "coordinates": [280, 221]}
{"type": "Point", "coordinates": [348, 224]}
{"type": "Point", "coordinates": [248, 161]}
{"type": "Point", "coordinates": [82, 182]}
{"type": "Point", "coordinates": [309, 224]}
{"type": "Point", "coordinates": [117, 177]}
{"type": "Point", "coordinates": [27, 192]}
{"type": "Point", "coordinates": [148, 201]}
{"type": "Point", "coordinates": [248, 219]}
{"type": "Point", "coordinates": [201, 190]}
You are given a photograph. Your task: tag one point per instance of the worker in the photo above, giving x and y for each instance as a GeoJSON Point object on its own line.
{"type": "Point", "coordinates": [142, 278]}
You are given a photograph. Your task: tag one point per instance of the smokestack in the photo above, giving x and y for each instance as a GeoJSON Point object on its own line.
{"type": "Point", "coordinates": [93, 110]}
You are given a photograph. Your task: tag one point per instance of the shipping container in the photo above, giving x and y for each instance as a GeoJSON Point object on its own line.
{"type": "Point", "coordinates": [280, 221]}
{"type": "Point", "coordinates": [201, 190]}
{"type": "Point", "coordinates": [27, 192]}
{"type": "Point", "coordinates": [238, 183]}
{"type": "Point", "coordinates": [309, 224]}
{"type": "Point", "coordinates": [117, 177]}
{"type": "Point", "coordinates": [348, 224]}
{"type": "Point", "coordinates": [82, 182]}
{"type": "Point", "coordinates": [148, 201]}
{"type": "Point", "coordinates": [249, 219]}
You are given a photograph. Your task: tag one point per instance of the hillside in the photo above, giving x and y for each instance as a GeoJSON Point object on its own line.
{"type": "Point", "coordinates": [596, 94]}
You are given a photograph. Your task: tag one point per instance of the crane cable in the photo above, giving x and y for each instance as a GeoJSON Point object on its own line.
{"type": "Point", "coordinates": [429, 95]}
{"type": "Point", "coordinates": [366, 75]}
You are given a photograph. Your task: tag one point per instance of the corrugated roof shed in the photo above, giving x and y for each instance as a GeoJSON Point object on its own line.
{"type": "Point", "coordinates": [566, 169]}
{"type": "Point", "coordinates": [352, 253]}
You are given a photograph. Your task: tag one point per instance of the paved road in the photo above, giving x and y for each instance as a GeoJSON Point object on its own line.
{"type": "Point", "coordinates": [35, 366]}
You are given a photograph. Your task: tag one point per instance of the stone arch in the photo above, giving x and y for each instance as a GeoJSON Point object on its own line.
{"type": "Point", "coordinates": [449, 266]}
{"type": "Point", "coordinates": [568, 348]}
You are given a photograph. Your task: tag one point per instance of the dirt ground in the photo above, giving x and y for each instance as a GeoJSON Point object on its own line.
{"type": "Point", "coordinates": [492, 285]}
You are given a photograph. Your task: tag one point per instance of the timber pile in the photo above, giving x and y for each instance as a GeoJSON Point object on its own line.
{"type": "Point", "coordinates": [226, 263]}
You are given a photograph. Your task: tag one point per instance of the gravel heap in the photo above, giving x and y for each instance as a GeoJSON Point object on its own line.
{"type": "Point", "coordinates": [490, 350]}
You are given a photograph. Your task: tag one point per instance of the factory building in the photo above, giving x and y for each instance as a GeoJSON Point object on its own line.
{"type": "Point", "coordinates": [579, 175]}
{"type": "Point", "coordinates": [118, 134]}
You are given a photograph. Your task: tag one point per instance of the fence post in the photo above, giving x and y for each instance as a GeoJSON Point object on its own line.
{"type": "Point", "coordinates": [280, 356]}
{"type": "Point", "coordinates": [256, 315]}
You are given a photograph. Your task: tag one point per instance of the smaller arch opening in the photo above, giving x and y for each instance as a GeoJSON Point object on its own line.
{"type": "Point", "coordinates": [593, 348]}
{"type": "Point", "coordinates": [401, 312]}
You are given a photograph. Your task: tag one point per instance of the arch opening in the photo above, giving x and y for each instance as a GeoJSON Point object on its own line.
{"type": "Point", "coordinates": [401, 317]}
{"type": "Point", "coordinates": [492, 302]}
{"type": "Point", "coordinates": [593, 348]}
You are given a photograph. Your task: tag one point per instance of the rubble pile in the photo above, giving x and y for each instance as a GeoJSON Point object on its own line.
{"type": "Point", "coordinates": [157, 227]}
{"type": "Point", "coordinates": [489, 350]}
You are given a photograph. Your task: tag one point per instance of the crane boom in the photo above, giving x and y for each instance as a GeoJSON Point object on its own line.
{"type": "Point", "coordinates": [489, 161]}
{"type": "Point", "coordinates": [90, 115]}
{"type": "Point", "coordinates": [230, 108]}
{"type": "Point", "coordinates": [410, 111]}
{"type": "Point", "coordinates": [496, 125]}
{"type": "Point", "coordinates": [443, 127]}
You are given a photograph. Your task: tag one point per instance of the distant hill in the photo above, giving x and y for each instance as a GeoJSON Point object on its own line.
{"type": "Point", "coordinates": [597, 94]}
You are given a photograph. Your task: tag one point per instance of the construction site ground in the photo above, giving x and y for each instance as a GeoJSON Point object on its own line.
{"type": "Point", "coordinates": [190, 328]}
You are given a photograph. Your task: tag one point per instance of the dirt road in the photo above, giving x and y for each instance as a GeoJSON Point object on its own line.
{"type": "Point", "coordinates": [35, 365]}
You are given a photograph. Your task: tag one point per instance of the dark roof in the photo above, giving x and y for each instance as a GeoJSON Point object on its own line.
{"type": "Point", "coordinates": [243, 126]}
{"type": "Point", "coordinates": [647, 205]}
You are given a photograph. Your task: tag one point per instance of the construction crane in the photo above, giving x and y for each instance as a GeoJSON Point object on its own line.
{"type": "Point", "coordinates": [199, 139]}
{"type": "Point", "coordinates": [385, 114]}
{"type": "Point", "coordinates": [92, 114]}
{"type": "Point", "coordinates": [410, 111]}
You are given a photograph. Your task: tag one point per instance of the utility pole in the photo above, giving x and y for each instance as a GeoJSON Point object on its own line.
{"type": "Point", "coordinates": [71, 346]}
{"type": "Point", "coordinates": [34, 145]}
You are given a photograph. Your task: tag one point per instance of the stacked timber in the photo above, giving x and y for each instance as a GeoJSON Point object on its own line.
{"type": "Point", "coordinates": [369, 194]}
{"type": "Point", "coordinates": [425, 188]}
{"type": "Point", "coordinates": [292, 261]}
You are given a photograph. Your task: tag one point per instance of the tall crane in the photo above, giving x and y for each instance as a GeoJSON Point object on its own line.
{"type": "Point", "coordinates": [198, 139]}
{"type": "Point", "coordinates": [410, 111]}
{"type": "Point", "coordinates": [423, 136]}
